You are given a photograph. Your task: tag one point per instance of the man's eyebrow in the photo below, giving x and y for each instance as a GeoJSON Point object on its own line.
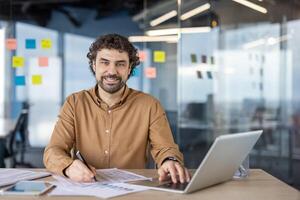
{"type": "Point", "coordinates": [118, 61]}
{"type": "Point", "coordinates": [121, 61]}
{"type": "Point", "coordinates": [104, 59]}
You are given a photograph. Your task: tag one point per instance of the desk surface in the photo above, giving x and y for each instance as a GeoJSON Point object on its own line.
{"type": "Point", "coordinates": [259, 186]}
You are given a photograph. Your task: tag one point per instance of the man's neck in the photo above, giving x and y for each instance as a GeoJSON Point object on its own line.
{"type": "Point", "coordinates": [110, 99]}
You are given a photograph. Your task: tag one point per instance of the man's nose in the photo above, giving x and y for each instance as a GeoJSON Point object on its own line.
{"type": "Point", "coordinates": [112, 69]}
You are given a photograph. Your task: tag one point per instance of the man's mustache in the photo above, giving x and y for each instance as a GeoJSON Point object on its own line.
{"type": "Point", "coordinates": [112, 76]}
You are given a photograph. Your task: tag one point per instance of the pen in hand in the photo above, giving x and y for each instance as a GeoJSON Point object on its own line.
{"type": "Point", "coordinates": [79, 156]}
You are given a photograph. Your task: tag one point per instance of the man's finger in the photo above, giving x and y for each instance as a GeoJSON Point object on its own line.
{"type": "Point", "coordinates": [187, 175]}
{"type": "Point", "coordinates": [93, 169]}
{"type": "Point", "coordinates": [162, 174]}
{"type": "Point", "coordinates": [173, 173]}
{"type": "Point", "coordinates": [181, 172]}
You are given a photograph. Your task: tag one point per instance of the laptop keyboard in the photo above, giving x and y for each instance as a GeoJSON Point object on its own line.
{"type": "Point", "coordinates": [174, 186]}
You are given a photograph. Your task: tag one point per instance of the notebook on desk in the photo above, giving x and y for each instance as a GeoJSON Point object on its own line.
{"type": "Point", "coordinates": [219, 165]}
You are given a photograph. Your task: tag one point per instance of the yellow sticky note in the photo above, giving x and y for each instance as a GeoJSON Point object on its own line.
{"type": "Point", "coordinates": [17, 61]}
{"type": "Point", "coordinates": [46, 43]}
{"type": "Point", "coordinates": [159, 56]}
{"type": "Point", "coordinates": [37, 79]}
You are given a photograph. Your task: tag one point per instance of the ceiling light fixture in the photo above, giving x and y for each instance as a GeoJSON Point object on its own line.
{"type": "Point", "coordinates": [252, 6]}
{"type": "Point", "coordinates": [195, 11]}
{"type": "Point", "coordinates": [163, 18]}
{"type": "Point", "coordinates": [175, 31]}
{"type": "Point", "coordinates": [171, 38]}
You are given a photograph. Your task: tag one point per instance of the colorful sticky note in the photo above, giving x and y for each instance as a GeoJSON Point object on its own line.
{"type": "Point", "coordinates": [43, 61]}
{"type": "Point", "coordinates": [193, 58]}
{"type": "Point", "coordinates": [212, 60]}
{"type": "Point", "coordinates": [159, 56]}
{"type": "Point", "coordinates": [17, 61]}
{"type": "Point", "coordinates": [199, 74]}
{"type": "Point", "coordinates": [150, 72]}
{"type": "Point", "coordinates": [46, 43]}
{"type": "Point", "coordinates": [203, 59]}
{"type": "Point", "coordinates": [30, 44]}
{"type": "Point", "coordinates": [11, 43]}
{"type": "Point", "coordinates": [142, 56]}
{"type": "Point", "coordinates": [20, 80]}
{"type": "Point", "coordinates": [36, 79]}
{"type": "Point", "coordinates": [136, 71]}
{"type": "Point", "coordinates": [209, 75]}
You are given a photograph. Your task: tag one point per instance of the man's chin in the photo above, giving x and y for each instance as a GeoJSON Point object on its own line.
{"type": "Point", "coordinates": [111, 88]}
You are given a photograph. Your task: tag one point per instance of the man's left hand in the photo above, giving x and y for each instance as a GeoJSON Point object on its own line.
{"type": "Point", "coordinates": [175, 170]}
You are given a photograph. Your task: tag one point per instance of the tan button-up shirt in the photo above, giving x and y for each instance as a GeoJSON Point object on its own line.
{"type": "Point", "coordinates": [108, 137]}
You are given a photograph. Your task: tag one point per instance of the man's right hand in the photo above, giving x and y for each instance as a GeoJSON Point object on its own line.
{"type": "Point", "coordinates": [79, 172]}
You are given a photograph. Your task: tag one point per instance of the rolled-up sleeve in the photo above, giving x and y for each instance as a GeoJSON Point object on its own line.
{"type": "Point", "coordinates": [57, 153]}
{"type": "Point", "coordinates": [161, 138]}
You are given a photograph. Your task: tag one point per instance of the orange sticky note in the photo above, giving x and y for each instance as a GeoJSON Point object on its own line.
{"type": "Point", "coordinates": [11, 43]}
{"type": "Point", "coordinates": [36, 79]}
{"type": "Point", "coordinates": [142, 55]}
{"type": "Point", "coordinates": [17, 61]}
{"type": "Point", "coordinates": [46, 43]}
{"type": "Point", "coordinates": [159, 56]}
{"type": "Point", "coordinates": [150, 72]}
{"type": "Point", "coordinates": [43, 61]}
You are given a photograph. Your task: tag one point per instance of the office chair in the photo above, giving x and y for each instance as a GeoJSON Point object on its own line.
{"type": "Point", "coordinates": [17, 139]}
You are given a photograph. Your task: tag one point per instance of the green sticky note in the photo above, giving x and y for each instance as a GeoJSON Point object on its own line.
{"type": "Point", "coordinates": [193, 58]}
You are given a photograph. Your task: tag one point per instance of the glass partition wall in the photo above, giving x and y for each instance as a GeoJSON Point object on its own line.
{"type": "Point", "coordinates": [231, 69]}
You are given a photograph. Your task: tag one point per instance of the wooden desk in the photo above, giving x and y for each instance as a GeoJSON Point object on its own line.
{"type": "Point", "coordinates": [258, 186]}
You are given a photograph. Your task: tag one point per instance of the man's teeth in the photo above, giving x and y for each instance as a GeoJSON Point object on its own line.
{"type": "Point", "coordinates": [110, 79]}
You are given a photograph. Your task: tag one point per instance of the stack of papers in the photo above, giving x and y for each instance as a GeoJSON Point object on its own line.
{"type": "Point", "coordinates": [11, 176]}
{"type": "Point", "coordinates": [110, 183]}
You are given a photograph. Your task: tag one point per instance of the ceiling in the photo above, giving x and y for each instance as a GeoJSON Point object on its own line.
{"type": "Point", "coordinates": [41, 11]}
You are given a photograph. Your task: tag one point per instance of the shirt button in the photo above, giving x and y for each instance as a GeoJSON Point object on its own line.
{"type": "Point", "coordinates": [106, 152]}
{"type": "Point", "coordinates": [107, 131]}
{"type": "Point", "coordinates": [109, 111]}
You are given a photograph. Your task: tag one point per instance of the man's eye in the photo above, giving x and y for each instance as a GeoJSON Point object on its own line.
{"type": "Point", "coordinates": [120, 64]}
{"type": "Point", "coordinates": [104, 62]}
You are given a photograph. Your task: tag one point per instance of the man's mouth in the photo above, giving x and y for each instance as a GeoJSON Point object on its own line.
{"type": "Point", "coordinates": [111, 79]}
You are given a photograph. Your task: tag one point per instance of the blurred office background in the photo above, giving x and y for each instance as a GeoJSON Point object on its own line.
{"type": "Point", "coordinates": [217, 66]}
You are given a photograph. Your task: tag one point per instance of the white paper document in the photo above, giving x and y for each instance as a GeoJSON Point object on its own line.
{"type": "Point", "coordinates": [110, 183]}
{"type": "Point", "coordinates": [11, 176]}
{"type": "Point", "coordinates": [98, 190]}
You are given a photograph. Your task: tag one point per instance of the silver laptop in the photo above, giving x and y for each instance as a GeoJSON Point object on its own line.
{"type": "Point", "coordinates": [219, 165]}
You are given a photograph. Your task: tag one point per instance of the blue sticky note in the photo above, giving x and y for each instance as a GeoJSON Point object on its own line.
{"type": "Point", "coordinates": [30, 44]}
{"type": "Point", "coordinates": [20, 80]}
{"type": "Point", "coordinates": [136, 72]}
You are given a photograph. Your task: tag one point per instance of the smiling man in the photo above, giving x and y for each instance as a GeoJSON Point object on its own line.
{"type": "Point", "coordinates": [110, 124]}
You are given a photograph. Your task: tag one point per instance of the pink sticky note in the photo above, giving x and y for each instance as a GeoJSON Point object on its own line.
{"type": "Point", "coordinates": [11, 43]}
{"type": "Point", "coordinates": [142, 55]}
{"type": "Point", "coordinates": [43, 61]}
{"type": "Point", "coordinates": [150, 72]}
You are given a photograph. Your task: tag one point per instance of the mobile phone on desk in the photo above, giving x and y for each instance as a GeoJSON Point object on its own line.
{"type": "Point", "coordinates": [27, 188]}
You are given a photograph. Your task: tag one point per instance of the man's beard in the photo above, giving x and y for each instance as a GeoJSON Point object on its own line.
{"type": "Point", "coordinates": [111, 88]}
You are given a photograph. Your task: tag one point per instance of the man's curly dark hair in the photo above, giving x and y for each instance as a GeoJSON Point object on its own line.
{"type": "Point", "coordinates": [117, 42]}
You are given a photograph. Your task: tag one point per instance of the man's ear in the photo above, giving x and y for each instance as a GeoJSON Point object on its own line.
{"type": "Point", "coordinates": [94, 67]}
{"type": "Point", "coordinates": [130, 68]}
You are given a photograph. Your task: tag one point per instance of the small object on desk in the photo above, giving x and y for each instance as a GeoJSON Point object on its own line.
{"type": "Point", "coordinates": [28, 188]}
{"type": "Point", "coordinates": [79, 156]}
